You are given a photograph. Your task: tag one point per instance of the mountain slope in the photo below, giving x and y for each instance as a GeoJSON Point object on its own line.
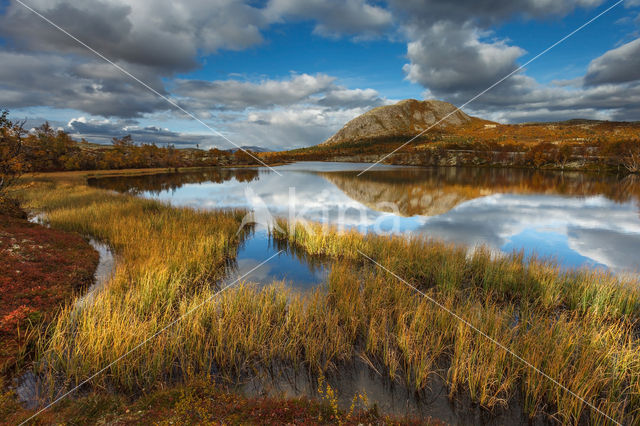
{"type": "Point", "coordinates": [406, 118]}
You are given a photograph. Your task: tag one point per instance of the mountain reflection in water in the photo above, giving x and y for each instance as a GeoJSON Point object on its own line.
{"type": "Point", "coordinates": [578, 218]}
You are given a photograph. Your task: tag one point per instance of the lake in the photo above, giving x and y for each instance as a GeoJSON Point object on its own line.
{"type": "Point", "coordinates": [576, 218]}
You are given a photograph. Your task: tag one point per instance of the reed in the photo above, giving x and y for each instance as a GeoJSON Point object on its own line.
{"type": "Point", "coordinates": [429, 263]}
{"type": "Point", "coordinates": [577, 326]}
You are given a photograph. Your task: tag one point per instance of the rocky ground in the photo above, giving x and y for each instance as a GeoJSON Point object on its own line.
{"type": "Point", "coordinates": [408, 117]}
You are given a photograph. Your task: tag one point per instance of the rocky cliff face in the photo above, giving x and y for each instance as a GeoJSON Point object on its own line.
{"type": "Point", "coordinates": [405, 119]}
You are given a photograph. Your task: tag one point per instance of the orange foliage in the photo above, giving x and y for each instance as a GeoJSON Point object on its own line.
{"type": "Point", "coordinates": [46, 149]}
{"type": "Point", "coordinates": [575, 144]}
{"type": "Point", "coordinates": [11, 156]}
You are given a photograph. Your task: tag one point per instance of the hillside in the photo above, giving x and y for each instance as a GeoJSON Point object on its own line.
{"type": "Point", "coordinates": [406, 118]}
{"type": "Point", "coordinates": [457, 139]}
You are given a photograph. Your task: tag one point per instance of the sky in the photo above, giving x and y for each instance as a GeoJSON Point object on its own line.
{"type": "Point", "coordinates": [284, 74]}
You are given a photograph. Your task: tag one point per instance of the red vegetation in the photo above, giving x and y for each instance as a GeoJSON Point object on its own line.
{"type": "Point", "coordinates": [202, 403]}
{"type": "Point", "coordinates": [40, 269]}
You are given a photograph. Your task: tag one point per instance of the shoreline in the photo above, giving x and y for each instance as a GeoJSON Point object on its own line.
{"type": "Point", "coordinates": [89, 174]}
{"type": "Point", "coordinates": [408, 163]}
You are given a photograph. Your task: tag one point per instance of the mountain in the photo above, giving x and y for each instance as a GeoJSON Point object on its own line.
{"type": "Point", "coordinates": [404, 119]}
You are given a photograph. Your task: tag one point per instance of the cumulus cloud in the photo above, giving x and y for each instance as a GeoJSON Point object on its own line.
{"type": "Point", "coordinates": [319, 89]}
{"type": "Point", "coordinates": [451, 47]}
{"type": "Point", "coordinates": [235, 94]}
{"type": "Point", "coordinates": [103, 130]}
{"type": "Point", "coordinates": [447, 58]}
{"type": "Point", "coordinates": [483, 12]}
{"type": "Point", "coordinates": [454, 55]}
{"type": "Point", "coordinates": [288, 128]}
{"type": "Point", "coordinates": [277, 129]}
{"type": "Point", "coordinates": [340, 97]}
{"type": "Point", "coordinates": [298, 111]}
{"type": "Point", "coordinates": [168, 35]}
{"type": "Point", "coordinates": [533, 101]}
{"type": "Point", "coordinates": [289, 113]}
{"type": "Point", "coordinates": [155, 41]}
{"type": "Point", "coordinates": [35, 79]}
{"type": "Point", "coordinates": [163, 34]}
{"type": "Point", "coordinates": [335, 17]}
{"type": "Point", "coordinates": [618, 65]}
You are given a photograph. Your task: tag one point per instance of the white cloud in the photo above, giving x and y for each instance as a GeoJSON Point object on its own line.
{"type": "Point", "coordinates": [618, 65]}
{"type": "Point", "coordinates": [447, 58]}
{"type": "Point", "coordinates": [453, 55]}
{"type": "Point", "coordinates": [294, 127]}
{"type": "Point", "coordinates": [235, 94]}
{"type": "Point", "coordinates": [335, 17]}
{"type": "Point", "coordinates": [39, 79]}
{"type": "Point", "coordinates": [163, 34]}
{"type": "Point", "coordinates": [103, 130]}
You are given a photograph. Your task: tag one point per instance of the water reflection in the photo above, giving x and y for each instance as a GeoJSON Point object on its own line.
{"type": "Point", "coordinates": [292, 265]}
{"type": "Point", "coordinates": [578, 218]}
{"type": "Point", "coordinates": [159, 182]}
{"type": "Point", "coordinates": [434, 191]}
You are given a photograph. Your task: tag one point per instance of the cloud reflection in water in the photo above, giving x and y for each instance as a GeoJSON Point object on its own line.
{"type": "Point", "coordinates": [579, 219]}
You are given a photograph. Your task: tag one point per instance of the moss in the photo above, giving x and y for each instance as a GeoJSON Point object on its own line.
{"type": "Point", "coordinates": [40, 270]}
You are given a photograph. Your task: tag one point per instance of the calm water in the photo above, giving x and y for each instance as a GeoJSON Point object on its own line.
{"type": "Point", "coordinates": [578, 219]}
{"type": "Point", "coordinates": [292, 266]}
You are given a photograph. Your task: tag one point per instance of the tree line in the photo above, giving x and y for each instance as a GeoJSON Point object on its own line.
{"type": "Point", "coordinates": [45, 149]}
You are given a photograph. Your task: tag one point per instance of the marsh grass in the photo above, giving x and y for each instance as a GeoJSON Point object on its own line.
{"type": "Point", "coordinates": [579, 327]}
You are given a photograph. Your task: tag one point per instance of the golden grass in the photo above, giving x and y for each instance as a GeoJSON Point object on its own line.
{"type": "Point", "coordinates": [578, 326]}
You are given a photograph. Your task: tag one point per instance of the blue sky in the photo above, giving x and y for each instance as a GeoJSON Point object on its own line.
{"type": "Point", "coordinates": [284, 73]}
{"type": "Point", "coordinates": [294, 48]}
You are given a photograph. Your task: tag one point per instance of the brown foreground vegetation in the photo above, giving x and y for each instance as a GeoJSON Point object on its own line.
{"type": "Point", "coordinates": [200, 403]}
{"type": "Point", "coordinates": [159, 265]}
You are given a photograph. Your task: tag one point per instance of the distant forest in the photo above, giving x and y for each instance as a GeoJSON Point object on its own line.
{"type": "Point", "coordinates": [45, 149]}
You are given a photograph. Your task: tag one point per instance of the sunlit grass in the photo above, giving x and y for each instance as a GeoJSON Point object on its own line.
{"type": "Point", "coordinates": [579, 327]}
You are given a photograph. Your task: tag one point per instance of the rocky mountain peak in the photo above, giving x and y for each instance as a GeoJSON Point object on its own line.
{"type": "Point", "coordinates": [406, 118]}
